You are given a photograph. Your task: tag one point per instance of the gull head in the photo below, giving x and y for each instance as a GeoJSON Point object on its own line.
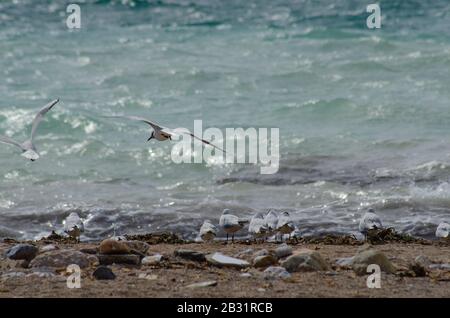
{"type": "Point", "coordinates": [30, 155]}
{"type": "Point", "coordinates": [226, 211]}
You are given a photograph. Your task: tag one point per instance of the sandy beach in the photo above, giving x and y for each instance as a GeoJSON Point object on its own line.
{"type": "Point", "coordinates": [171, 273]}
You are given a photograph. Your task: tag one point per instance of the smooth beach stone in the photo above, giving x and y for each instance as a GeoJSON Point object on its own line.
{"type": "Point", "coordinates": [137, 246]}
{"type": "Point", "coordinates": [104, 273]}
{"type": "Point", "coordinates": [48, 248]}
{"type": "Point", "coordinates": [219, 259]}
{"type": "Point", "coordinates": [367, 257]}
{"type": "Point", "coordinates": [261, 253]}
{"type": "Point", "coordinates": [203, 284]}
{"type": "Point", "coordinates": [190, 255]}
{"type": "Point", "coordinates": [152, 260]}
{"type": "Point", "coordinates": [22, 252]}
{"type": "Point", "coordinates": [264, 261]}
{"type": "Point", "coordinates": [283, 250]}
{"type": "Point", "coordinates": [305, 260]}
{"type": "Point", "coordinates": [111, 246]}
{"type": "Point", "coordinates": [61, 259]}
{"type": "Point", "coordinates": [344, 261]}
{"type": "Point", "coordinates": [130, 259]}
{"type": "Point", "coordinates": [275, 272]}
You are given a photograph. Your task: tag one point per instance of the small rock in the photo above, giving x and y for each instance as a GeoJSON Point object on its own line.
{"type": "Point", "coordinates": [283, 250]}
{"type": "Point", "coordinates": [138, 246]}
{"type": "Point", "coordinates": [130, 259]}
{"type": "Point", "coordinates": [261, 290]}
{"type": "Point", "coordinates": [113, 247]}
{"type": "Point", "coordinates": [13, 275]}
{"type": "Point", "coordinates": [22, 252]}
{"type": "Point", "coordinates": [61, 259]}
{"type": "Point", "coordinates": [246, 275]}
{"type": "Point", "coordinates": [344, 262]}
{"type": "Point", "coordinates": [261, 253]}
{"type": "Point", "coordinates": [152, 260]}
{"type": "Point", "coordinates": [423, 261]}
{"type": "Point", "coordinates": [48, 248]}
{"type": "Point", "coordinates": [218, 259]}
{"type": "Point", "coordinates": [264, 261]}
{"type": "Point", "coordinates": [245, 252]}
{"type": "Point", "coordinates": [148, 276]}
{"type": "Point", "coordinates": [371, 256]}
{"type": "Point", "coordinates": [275, 272]}
{"type": "Point", "coordinates": [91, 251]}
{"type": "Point", "coordinates": [440, 266]}
{"type": "Point", "coordinates": [190, 255]}
{"type": "Point", "coordinates": [305, 260]}
{"type": "Point", "coordinates": [104, 273]}
{"type": "Point", "coordinates": [203, 284]}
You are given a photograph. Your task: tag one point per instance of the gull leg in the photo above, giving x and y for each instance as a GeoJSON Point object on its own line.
{"type": "Point", "coordinates": [227, 237]}
{"type": "Point", "coordinates": [232, 238]}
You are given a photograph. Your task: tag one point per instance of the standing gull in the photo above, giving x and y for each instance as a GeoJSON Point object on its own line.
{"type": "Point", "coordinates": [28, 148]}
{"type": "Point", "coordinates": [162, 133]}
{"type": "Point", "coordinates": [443, 230]}
{"type": "Point", "coordinates": [271, 219]}
{"type": "Point", "coordinates": [230, 223]}
{"type": "Point", "coordinates": [208, 231]}
{"type": "Point", "coordinates": [369, 221]}
{"type": "Point", "coordinates": [285, 225]}
{"type": "Point", "coordinates": [73, 226]}
{"type": "Point", "coordinates": [258, 227]}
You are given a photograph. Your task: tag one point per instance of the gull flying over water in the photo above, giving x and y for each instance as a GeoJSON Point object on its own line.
{"type": "Point", "coordinates": [162, 133]}
{"type": "Point", "coordinates": [208, 231]}
{"type": "Point", "coordinates": [230, 223]}
{"type": "Point", "coordinates": [369, 221]}
{"type": "Point", "coordinates": [28, 148]}
{"type": "Point", "coordinates": [73, 225]}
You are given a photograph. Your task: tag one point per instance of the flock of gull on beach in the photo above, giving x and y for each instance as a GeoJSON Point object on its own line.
{"type": "Point", "coordinates": [261, 226]}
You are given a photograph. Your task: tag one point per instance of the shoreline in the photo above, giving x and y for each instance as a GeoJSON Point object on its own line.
{"type": "Point", "coordinates": [159, 266]}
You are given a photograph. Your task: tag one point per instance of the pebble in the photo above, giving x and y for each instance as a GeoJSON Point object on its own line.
{"type": "Point", "coordinates": [112, 246]}
{"type": "Point", "coordinates": [371, 256]}
{"type": "Point", "coordinates": [219, 259]}
{"type": "Point", "coordinates": [130, 259]}
{"type": "Point", "coordinates": [261, 253]}
{"type": "Point", "coordinates": [423, 261]}
{"type": "Point", "coordinates": [305, 260]}
{"type": "Point", "coordinates": [344, 262]}
{"type": "Point", "coordinates": [246, 275]}
{"type": "Point", "coordinates": [48, 248]}
{"type": "Point", "coordinates": [148, 276]}
{"type": "Point", "coordinates": [274, 272]}
{"type": "Point", "coordinates": [61, 259]}
{"type": "Point", "coordinates": [264, 261]}
{"type": "Point", "coordinates": [440, 266]}
{"type": "Point", "coordinates": [190, 255]}
{"type": "Point", "coordinates": [137, 246]}
{"type": "Point", "coordinates": [245, 252]}
{"type": "Point", "coordinates": [104, 273]}
{"type": "Point", "coordinates": [203, 284]}
{"type": "Point", "coordinates": [22, 252]}
{"type": "Point", "coordinates": [283, 250]}
{"type": "Point", "coordinates": [152, 260]}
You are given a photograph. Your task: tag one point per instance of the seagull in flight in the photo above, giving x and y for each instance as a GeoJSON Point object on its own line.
{"type": "Point", "coordinates": [162, 133]}
{"type": "Point", "coordinates": [28, 148]}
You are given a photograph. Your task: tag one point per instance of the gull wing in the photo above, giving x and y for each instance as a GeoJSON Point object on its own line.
{"type": "Point", "coordinates": [9, 141]}
{"type": "Point", "coordinates": [40, 116]}
{"type": "Point", "coordinates": [154, 125]}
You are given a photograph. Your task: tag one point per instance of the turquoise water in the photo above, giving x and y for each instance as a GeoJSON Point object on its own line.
{"type": "Point", "coordinates": [363, 114]}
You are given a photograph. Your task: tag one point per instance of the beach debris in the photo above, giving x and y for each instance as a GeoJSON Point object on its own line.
{"type": "Point", "coordinates": [152, 260]}
{"type": "Point", "coordinates": [305, 260]}
{"type": "Point", "coordinates": [208, 231]}
{"type": "Point", "coordinates": [209, 283]}
{"type": "Point", "coordinates": [285, 225]}
{"type": "Point", "coordinates": [156, 238]}
{"type": "Point", "coordinates": [382, 236]}
{"type": "Point", "coordinates": [221, 260]}
{"type": "Point", "coordinates": [22, 252]}
{"type": "Point", "coordinates": [283, 250]}
{"type": "Point", "coordinates": [104, 273]}
{"type": "Point", "coordinates": [109, 259]}
{"type": "Point", "coordinates": [61, 259]}
{"type": "Point", "coordinates": [190, 255]}
{"type": "Point", "coordinates": [73, 226]}
{"type": "Point", "coordinates": [258, 227]}
{"type": "Point", "coordinates": [371, 256]}
{"type": "Point", "coordinates": [443, 230]}
{"type": "Point", "coordinates": [264, 261]}
{"type": "Point", "coordinates": [230, 223]}
{"type": "Point", "coordinates": [276, 272]}
{"type": "Point", "coordinates": [113, 247]}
